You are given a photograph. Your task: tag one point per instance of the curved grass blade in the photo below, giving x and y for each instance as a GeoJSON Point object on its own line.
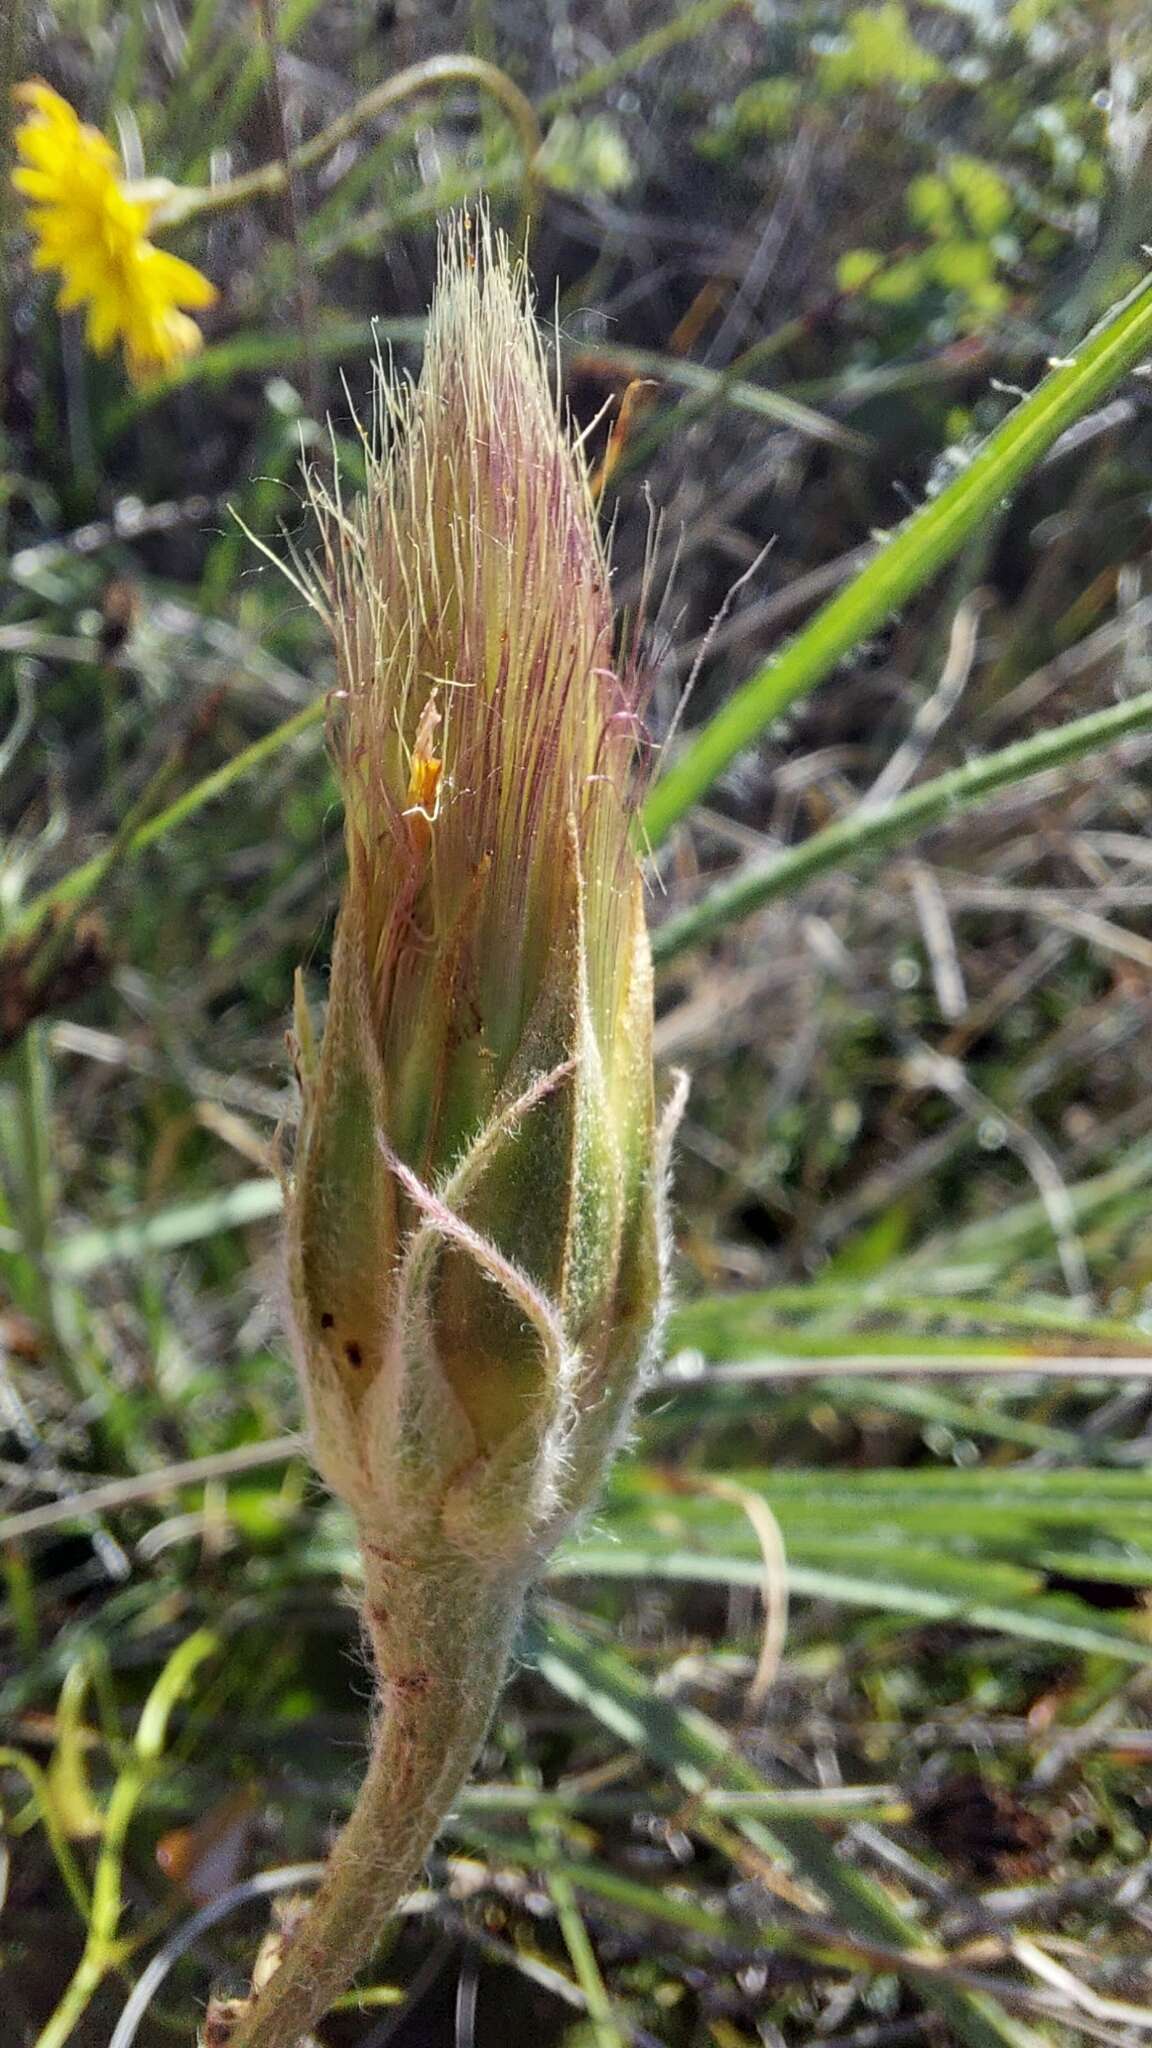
{"type": "Point", "coordinates": [250, 1201]}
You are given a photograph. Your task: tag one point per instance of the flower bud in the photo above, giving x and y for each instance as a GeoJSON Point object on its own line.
{"type": "Point", "coordinates": [475, 1237]}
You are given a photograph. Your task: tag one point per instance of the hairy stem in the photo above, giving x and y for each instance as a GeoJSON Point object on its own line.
{"type": "Point", "coordinates": [441, 1634]}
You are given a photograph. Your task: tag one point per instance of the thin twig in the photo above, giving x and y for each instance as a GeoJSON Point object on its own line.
{"type": "Point", "coordinates": [120, 1493]}
{"type": "Point", "coordinates": [691, 1368]}
{"type": "Point", "coordinates": [935, 710]}
{"type": "Point", "coordinates": [306, 295]}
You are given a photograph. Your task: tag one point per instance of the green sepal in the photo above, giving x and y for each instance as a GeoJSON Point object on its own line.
{"type": "Point", "coordinates": [520, 1199]}
{"type": "Point", "coordinates": [343, 1206]}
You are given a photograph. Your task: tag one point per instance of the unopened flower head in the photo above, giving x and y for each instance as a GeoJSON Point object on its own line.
{"type": "Point", "coordinates": [90, 226]}
{"type": "Point", "coordinates": [474, 1228]}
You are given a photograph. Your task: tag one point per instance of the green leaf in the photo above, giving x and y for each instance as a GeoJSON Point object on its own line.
{"type": "Point", "coordinates": [964, 266]}
{"type": "Point", "coordinates": [931, 537]}
{"type": "Point", "coordinates": [899, 282]}
{"type": "Point", "coordinates": [982, 192]}
{"type": "Point", "coordinates": [878, 49]}
{"type": "Point", "coordinates": [76, 887]}
{"type": "Point", "coordinates": [732, 1325]}
{"type": "Point", "coordinates": [767, 108]}
{"type": "Point", "coordinates": [857, 268]}
{"type": "Point", "coordinates": [931, 1545]}
{"type": "Point", "coordinates": [1034, 1619]}
{"type": "Point", "coordinates": [930, 205]}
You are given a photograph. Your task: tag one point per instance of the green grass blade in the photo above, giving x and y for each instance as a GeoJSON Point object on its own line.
{"type": "Point", "coordinates": [603, 2027]}
{"type": "Point", "coordinates": [1032, 1619]}
{"type": "Point", "coordinates": [696, 1752]}
{"type": "Point", "coordinates": [706, 383]}
{"type": "Point", "coordinates": [250, 1201]}
{"type": "Point", "coordinates": [683, 24]}
{"type": "Point", "coordinates": [332, 338]}
{"type": "Point", "coordinates": [75, 887]}
{"type": "Point", "coordinates": [724, 1325]}
{"type": "Point", "coordinates": [1010, 1513]}
{"type": "Point", "coordinates": [967, 1418]}
{"type": "Point", "coordinates": [1102, 1491]}
{"type": "Point", "coordinates": [943, 797]}
{"type": "Point", "coordinates": [926, 541]}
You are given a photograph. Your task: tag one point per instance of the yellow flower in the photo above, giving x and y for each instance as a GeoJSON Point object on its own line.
{"type": "Point", "coordinates": [91, 227]}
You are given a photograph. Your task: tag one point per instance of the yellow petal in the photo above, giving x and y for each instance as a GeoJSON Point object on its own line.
{"type": "Point", "coordinates": [184, 337]}
{"type": "Point", "coordinates": [181, 284]}
{"type": "Point", "coordinates": [36, 184]}
{"type": "Point", "coordinates": [92, 229]}
{"type": "Point", "coordinates": [103, 326]}
{"type": "Point", "coordinates": [36, 92]}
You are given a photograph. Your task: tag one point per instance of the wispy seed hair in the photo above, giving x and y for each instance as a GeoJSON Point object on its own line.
{"type": "Point", "coordinates": [481, 724]}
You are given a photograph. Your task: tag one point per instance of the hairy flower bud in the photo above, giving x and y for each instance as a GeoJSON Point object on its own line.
{"type": "Point", "coordinates": [474, 1220]}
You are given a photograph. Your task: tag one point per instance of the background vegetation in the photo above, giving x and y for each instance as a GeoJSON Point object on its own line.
{"type": "Point", "coordinates": [827, 246]}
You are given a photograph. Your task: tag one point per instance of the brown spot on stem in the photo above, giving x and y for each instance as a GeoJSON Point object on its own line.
{"type": "Point", "coordinates": [353, 1354]}
{"type": "Point", "coordinates": [411, 1684]}
{"type": "Point", "coordinates": [387, 1556]}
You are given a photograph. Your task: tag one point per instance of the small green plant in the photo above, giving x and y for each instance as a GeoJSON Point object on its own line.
{"type": "Point", "coordinates": [878, 49]}
{"type": "Point", "coordinates": [965, 209]}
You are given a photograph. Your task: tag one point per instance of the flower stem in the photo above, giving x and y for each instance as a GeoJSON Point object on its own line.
{"type": "Point", "coordinates": [441, 1635]}
{"type": "Point", "coordinates": [192, 203]}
